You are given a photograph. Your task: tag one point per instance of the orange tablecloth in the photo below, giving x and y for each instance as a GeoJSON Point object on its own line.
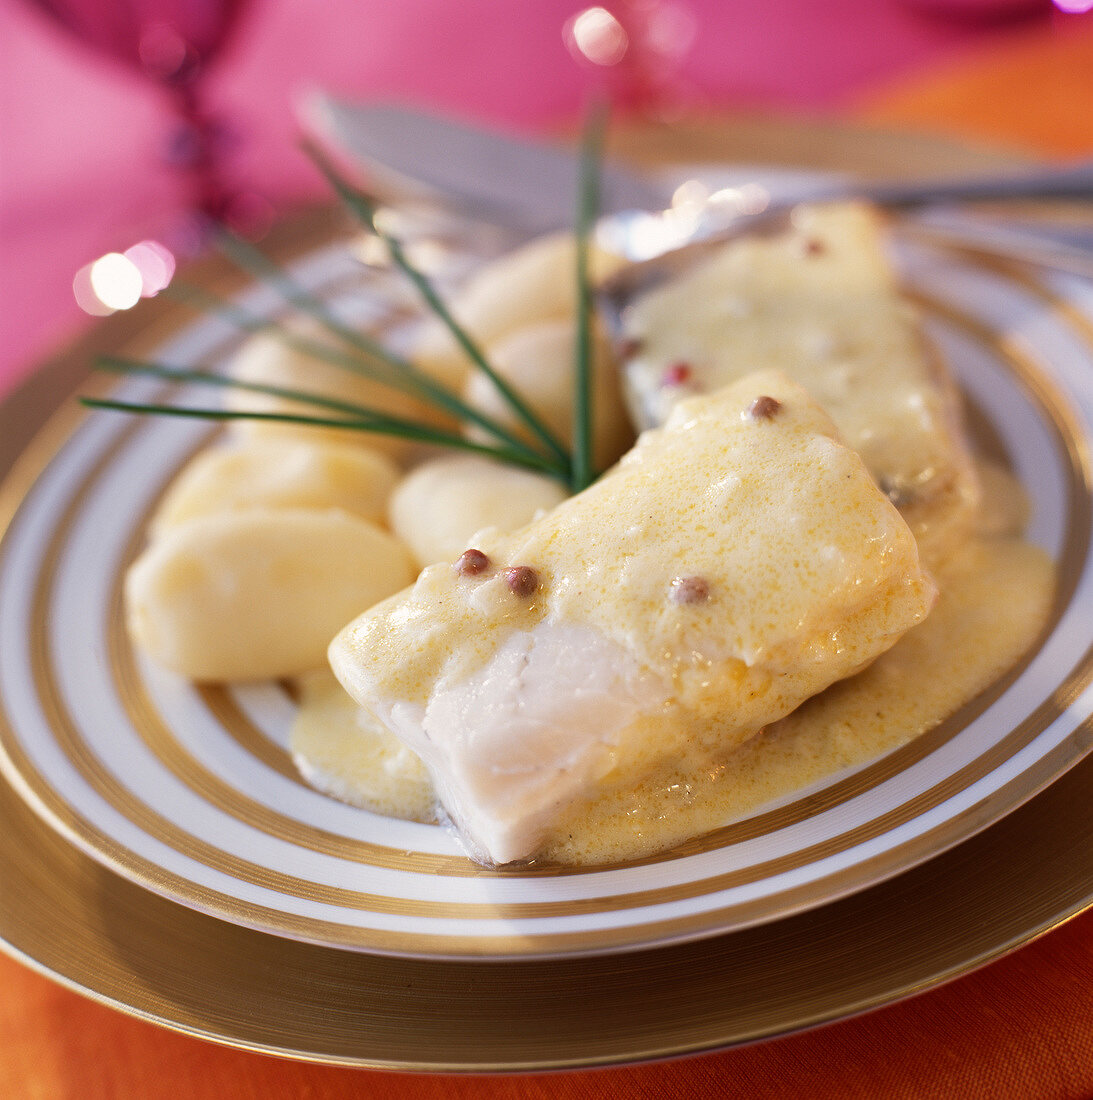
{"type": "Point", "coordinates": [1021, 1027]}
{"type": "Point", "coordinates": [1033, 92]}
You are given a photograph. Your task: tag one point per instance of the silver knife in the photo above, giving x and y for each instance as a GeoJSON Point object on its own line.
{"type": "Point", "coordinates": [481, 173]}
{"type": "Point", "coordinates": [530, 187]}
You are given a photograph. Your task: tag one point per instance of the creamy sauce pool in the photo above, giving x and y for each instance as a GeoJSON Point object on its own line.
{"type": "Point", "coordinates": [996, 594]}
{"type": "Point", "coordinates": [994, 602]}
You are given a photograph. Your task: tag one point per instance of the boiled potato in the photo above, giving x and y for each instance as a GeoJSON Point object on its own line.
{"type": "Point", "coordinates": [284, 473]}
{"type": "Point", "coordinates": [538, 362]}
{"type": "Point", "coordinates": [437, 508]}
{"type": "Point", "coordinates": [268, 360]}
{"type": "Point", "coordinates": [258, 593]}
{"type": "Point", "coordinates": [537, 282]}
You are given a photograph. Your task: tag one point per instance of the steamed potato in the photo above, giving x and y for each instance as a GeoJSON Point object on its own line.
{"type": "Point", "coordinates": [442, 504]}
{"type": "Point", "coordinates": [258, 593]}
{"type": "Point", "coordinates": [285, 473]}
{"type": "Point", "coordinates": [537, 282]}
{"type": "Point", "coordinates": [538, 362]}
{"type": "Point", "coordinates": [266, 359]}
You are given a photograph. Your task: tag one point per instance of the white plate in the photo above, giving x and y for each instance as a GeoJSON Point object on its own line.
{"type": "Point", "coordinates": [190, 791]}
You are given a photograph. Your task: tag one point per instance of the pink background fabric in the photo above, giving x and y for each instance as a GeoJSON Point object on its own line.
{"type": "Point", "coordinates": [81, 138]}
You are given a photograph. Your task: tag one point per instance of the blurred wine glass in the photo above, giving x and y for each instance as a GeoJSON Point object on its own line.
{"type": "Point", "coordinates": [173, 44]}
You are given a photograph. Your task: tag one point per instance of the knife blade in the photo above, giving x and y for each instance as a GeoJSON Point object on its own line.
{"type": "Point", "coordinates": [528, 187]}
{"type": "Point", "coordinates": [481, 173]}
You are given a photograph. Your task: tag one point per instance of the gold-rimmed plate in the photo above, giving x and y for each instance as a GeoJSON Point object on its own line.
{"type": "Point", "coordinates": [105, 935]}
{"type": "Point", "coordinates": [190, 791]}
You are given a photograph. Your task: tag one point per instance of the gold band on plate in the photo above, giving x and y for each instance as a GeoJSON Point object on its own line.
{"type": "Point", "coordinates": [174, 756]}
{"type": "Point", "coordinates": [161, 740]}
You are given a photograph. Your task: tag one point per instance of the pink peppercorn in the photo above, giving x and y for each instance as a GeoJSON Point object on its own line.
{"type": "Point", "coordinates": [471, 562]}
{"type": "Point", "coordinates": [764, 407]}
{"type": "Point", "coordinates": [521, 580]}
{"type": "Point", "coordinates": [690, 589]}
{"type": "Point", "coordinates": [678, 374]}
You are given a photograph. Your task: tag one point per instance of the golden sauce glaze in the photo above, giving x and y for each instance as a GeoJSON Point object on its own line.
{"type": "Point", "coordinates": [995, 596]}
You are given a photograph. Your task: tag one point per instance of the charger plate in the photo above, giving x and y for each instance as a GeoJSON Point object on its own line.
{"type": "Point", "coordinates": [221, 976]}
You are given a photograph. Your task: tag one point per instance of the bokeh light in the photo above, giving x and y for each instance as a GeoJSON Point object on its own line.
{"type": "Point", "coordinates": [85, 295]}
{"type": "Point", "coordinates": [1074, 7]}
{"type": "Point", "coordinates": [119, 280]}
{"type": "Point", "coordinates": [596, 35]}
{"type": "Point", "coordinates": [156, 265]}
{"type": "Point", "coordinates": [116, 281]}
